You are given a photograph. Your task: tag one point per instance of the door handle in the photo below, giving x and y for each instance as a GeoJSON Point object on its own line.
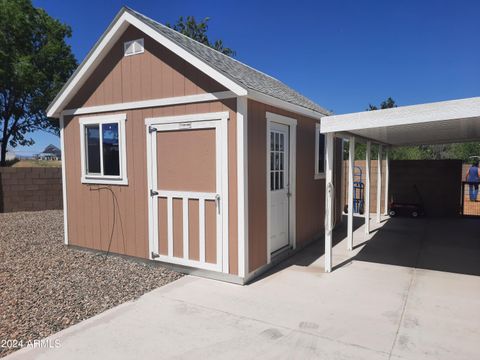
{"type": "Point", "coordinates": [217, 202]}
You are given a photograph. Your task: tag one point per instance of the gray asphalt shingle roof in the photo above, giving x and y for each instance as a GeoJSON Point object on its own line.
{"type": "Point", "coordinates": [238, 72]}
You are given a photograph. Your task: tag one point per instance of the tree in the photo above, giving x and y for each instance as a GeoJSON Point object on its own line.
{"type": "Point", "coordinates": [198, 31]}
{"type": "Point", "coordinates": [387, 104]}
{"type": "Point", "coordinates": [35, 62]}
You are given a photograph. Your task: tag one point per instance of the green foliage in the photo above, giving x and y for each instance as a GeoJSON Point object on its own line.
{"type": "Point", "coordinates": [198, 31]}
{"type": "Point", "coordinates": [35, 62]}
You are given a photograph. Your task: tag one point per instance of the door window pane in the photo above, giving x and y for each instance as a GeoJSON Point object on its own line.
{"type": "Point", "coordinates": [281, 180]}
{"type": "Point", "coordinates": [92, 138]}
{"type": "Point", "coordinates": [272, 181]}
{"type": "Point", "coordinates": [276, 141]}
{"type": "Point", "coordinates": [276, 180]}
{"type": "Point", "coordinates": [111, 156]}
{"type": "Point", "coordinates": [272, 141]}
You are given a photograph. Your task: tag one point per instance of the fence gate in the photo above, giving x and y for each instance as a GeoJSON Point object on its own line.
{"type": "Point", "coordinates": [188, 205]}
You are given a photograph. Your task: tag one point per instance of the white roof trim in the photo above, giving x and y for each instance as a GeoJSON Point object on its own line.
{"type": "Point", "coordinates": [282, 104]}
{"type": "Point", "coordinates": [405, 115]}
{"type": "Point", "coordinates": [112, 34]}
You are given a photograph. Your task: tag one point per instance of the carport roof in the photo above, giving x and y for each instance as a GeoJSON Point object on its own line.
{"type": "Point", "coordinates": [443, 122]}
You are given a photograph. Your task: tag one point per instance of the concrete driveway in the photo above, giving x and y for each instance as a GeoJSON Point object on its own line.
{"type": "Point", "coordinates": [411, 292]}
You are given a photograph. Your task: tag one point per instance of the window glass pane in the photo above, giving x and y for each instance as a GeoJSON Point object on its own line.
{"type": "Point", "coordinates": [276, 141]}
{"type": "Point", "coordinates": [281, 179]}
{"type": "Point", "coordinates": [272, 141]}
{"type": "Point", "coordinates": [92, 139]}
{"type": "Point", "coordinates": [281, 141]}
{"type": "Point", "coordinates": [272, 181]}
{"type": "Point", "coordinates": [277, 161]}
{"type": "Point", "coordinates": [111, 156]}
{"type": "Point", "coordinates": [281, 161]}
{"type": "Point", "coordinates": [272, 161]}
{"type": "Point", "coordinates": [276, 180]}
{"type": "Point", "coordinates": [321, 153]}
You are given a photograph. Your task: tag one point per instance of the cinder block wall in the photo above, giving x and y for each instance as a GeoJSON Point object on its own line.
{"type": "Point", "coordinates": [30, 189]}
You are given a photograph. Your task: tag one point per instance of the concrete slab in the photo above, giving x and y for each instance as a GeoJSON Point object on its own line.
{"type": "Point", "coordinates": [387, 300]}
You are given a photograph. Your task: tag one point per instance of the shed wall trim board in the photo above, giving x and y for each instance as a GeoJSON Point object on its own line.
{"type": "Point", "coordinates": [242, 183]}
{"type": "Point", "coordinates": [177, 100]}
{"type": "Point", "coordinates": [64, 181]}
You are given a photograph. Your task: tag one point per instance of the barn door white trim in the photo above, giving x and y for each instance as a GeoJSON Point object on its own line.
{"type": "Point", "coordinates": [219, 122]}
{"type": "Point", "coordinates": [292, 125]}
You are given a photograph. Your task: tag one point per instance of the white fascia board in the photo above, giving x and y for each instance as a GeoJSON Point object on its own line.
{"type": "Point", "coordinates": [430, 112]}
{"type": "Point", "coordinates": [285, 105]}
{"type": "Point", "coordinates": [112, 35]}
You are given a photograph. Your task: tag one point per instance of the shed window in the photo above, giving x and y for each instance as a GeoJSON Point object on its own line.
{"type": "Point", "coordinates": [319, 154]}
{"type": "Point", "coordinates": [103, 149]}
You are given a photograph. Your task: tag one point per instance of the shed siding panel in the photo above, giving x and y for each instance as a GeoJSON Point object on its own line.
{"type": "Point", "coordinates": [310, 193]}
{"type": "Point", "coordinates": [90, 211]}
{"type": "Point", "coordinates": [156, 73]}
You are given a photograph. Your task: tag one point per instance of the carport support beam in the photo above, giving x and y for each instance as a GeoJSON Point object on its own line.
{"type": "Point", "coordinates": [366, 205]}
{"type": "Point", "coordinates": [387, 178]}
{"type": "Point", "coordinates": [329, 199]}
{"type": "Point", "coordinates": [351, 161]}
{"type": "Point", "coordinates": [379, 184]}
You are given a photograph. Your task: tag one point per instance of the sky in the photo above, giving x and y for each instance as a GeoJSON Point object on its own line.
{"type": "Point", "coordinates": [342, 54]}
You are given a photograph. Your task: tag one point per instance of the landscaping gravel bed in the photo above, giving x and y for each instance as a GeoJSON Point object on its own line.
{"type": "Point", "coordinates": [46, 286]}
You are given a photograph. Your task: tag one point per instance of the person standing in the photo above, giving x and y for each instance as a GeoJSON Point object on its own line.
{"type": "Point", "coordinates": [473, 178]}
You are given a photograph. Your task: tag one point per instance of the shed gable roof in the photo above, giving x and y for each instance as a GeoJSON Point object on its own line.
{"type": "Point", "coordinates": [231, 73]}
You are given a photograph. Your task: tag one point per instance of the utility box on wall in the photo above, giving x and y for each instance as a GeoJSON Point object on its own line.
{"type": "Point", "coordinates": [438, 183]}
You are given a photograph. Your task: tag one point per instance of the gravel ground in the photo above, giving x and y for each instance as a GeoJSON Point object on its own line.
{"type": "Point", "coordinates": [46, 286]}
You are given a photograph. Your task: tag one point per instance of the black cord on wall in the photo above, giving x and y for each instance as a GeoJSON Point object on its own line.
{"type": "Point", "coordinates": [115, 207]}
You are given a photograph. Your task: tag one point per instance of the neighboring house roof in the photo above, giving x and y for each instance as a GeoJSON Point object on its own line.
{"type": "Point", "coordinates": [51, 150]}
{"type": "Point", "coordinates": [231, 70]}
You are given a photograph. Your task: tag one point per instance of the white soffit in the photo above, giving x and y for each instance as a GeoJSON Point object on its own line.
{"type": "Point", "coordinates": [432, 123]}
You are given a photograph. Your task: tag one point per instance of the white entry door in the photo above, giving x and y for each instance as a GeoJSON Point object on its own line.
{"type": "Point", "coordinates": [279, 186]}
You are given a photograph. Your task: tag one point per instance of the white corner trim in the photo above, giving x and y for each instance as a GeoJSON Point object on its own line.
{"type": "Point", "coordinates": [110, 37]}
{"type": "Point", "coordinates": [270, 100]}
{"type": "Point", "coordinates": [318, 175]}
{"type": "Point", "coordinates": [222, 115]}
{"type": "Point", "coordinates": [177, 100]}
{"type": "Point", "coordinates": [64, 180]}
{"type": "Point", "coordinates": [242, 185]}
{"type": "Point", "coordinates": [122, 179]}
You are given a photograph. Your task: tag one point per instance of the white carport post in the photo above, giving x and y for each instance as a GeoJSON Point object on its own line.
{"type": "Point", "coordinates": [329, 198]}
{"type": "Point", "coordinates": [366, 205]}
{"type": "Point", "coordinates": [387, 177]}
{"type": "Point", "coordinates": [379, 183]}
{"type": "Point", "coordinates": [351, 160]}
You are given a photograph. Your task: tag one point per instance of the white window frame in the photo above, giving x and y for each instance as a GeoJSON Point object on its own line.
{"type": "Point", "coordinates": [127, 44]}
{"type": "Point", "coordinates": [100, 178]}
{"type": "Point", "coordinates": [318, 174]}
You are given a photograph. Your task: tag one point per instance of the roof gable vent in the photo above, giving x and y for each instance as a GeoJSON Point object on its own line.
{"type": "Point", "coordinates": [133, 47]}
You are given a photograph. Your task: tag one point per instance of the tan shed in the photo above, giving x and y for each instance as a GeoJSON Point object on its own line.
{"type": "Point", "coordinates": [174, 152]}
